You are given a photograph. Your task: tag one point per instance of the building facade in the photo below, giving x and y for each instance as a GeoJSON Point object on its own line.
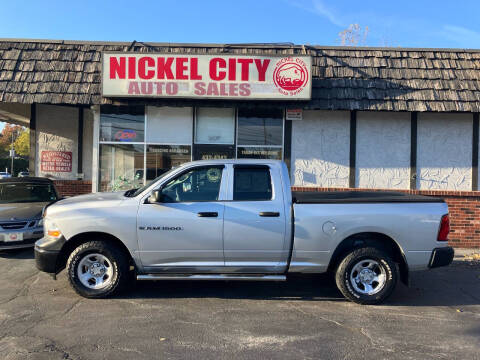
{"type": "Point", "coordinates": [110, 116]}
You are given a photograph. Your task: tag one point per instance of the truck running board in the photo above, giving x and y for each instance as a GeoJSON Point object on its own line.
{"type": "Point", "coordinates": [212, 277]}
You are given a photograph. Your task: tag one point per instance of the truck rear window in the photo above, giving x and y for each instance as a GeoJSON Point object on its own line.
{"type": "Point", "coordinates": [252, 183]}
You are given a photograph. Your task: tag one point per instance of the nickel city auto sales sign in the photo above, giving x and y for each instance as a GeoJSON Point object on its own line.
{"type": "Point", "coordinates": [207, 76]}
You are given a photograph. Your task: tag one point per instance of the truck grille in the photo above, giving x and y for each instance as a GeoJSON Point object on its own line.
{"type": "Point", "coordinates": [13, 225]}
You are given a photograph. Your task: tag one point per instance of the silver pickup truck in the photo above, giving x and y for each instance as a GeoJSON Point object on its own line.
{"type": "Point", "coordinates": [239, 220]}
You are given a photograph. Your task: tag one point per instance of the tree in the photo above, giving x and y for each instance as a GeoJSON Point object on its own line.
{"type": "Point", "coordinates": [8, 134]}
{"type": "Point", "coordinates": [354, 35]}
{"type": "Point", "coordinates": [22, 144]}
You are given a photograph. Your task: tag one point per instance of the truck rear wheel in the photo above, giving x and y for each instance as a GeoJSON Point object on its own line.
{"type": "Point", "coordinates": [97, 269]}
{"type": "Point", "coordinates": [367, 276]}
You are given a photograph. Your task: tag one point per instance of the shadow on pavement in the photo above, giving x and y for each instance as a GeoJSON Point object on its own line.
{"type": "Point", "coordinates": [454, 286]}
{"type": "Point", "coordinates": [310, 288]}
{"type": "Point", "coordinates": [20, 254]}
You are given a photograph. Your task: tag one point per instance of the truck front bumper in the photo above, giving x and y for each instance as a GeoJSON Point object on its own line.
{"type": "Point", "coordinates": [441, 257]}
{"type": "Point", "coordinates": [47, 252]}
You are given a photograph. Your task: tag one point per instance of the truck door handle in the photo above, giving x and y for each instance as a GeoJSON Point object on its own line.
{"type": "Point", "coordinates": [269, 214]}
{"type": "Point", "coordinates": [208, 214]}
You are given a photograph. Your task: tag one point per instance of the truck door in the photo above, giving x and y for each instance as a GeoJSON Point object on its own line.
{"type": "Point", "coordinates": [184, 231]}
{"type": "Point", "coordinates": [255, 221]}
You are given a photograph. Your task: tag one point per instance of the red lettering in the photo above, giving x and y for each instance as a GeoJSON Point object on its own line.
{"type": "Point", "coordinates": [146, 87]}
{"type": "Point", "coordinates": [133, 88]}
{"type": "Point", "coordinates": [131, 67]}
{"type": "Point", "coordinates": [244, 90]}
{"type": "Point", "coordinates": [245, 67]}
{"type": "Point", "coordinates": [199, 88]}
{"type": "Point", "coordinates": [233, 89]}
{"type": "Point", "coordinates": [117, 69]}
{"type": "Point", "coordinates": [142, 68]}
{"type": "Point", "coordinates": [159, 87]}
{"type": "Point", "coordinates": [164, 68]}
{"type": "Point", "coordinates": [262, 68]}
{"type": "Point", "coordinates": [212, 89]}
{"type": "Point", "coordinates": [181, 68]}
{"type": "Point", "coordinates": [194, 70]}
{"type": "Point", "coordinates": [220, 63]}
{"type": "Point", "coordinates": [223, 90]}
{"type": "Point", "coordinates": [172, 88]}
{"type": "Point", "coordinates": [232, 69]}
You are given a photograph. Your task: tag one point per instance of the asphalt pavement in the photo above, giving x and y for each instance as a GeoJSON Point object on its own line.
{"type": "Point", "coordinates": [438, 317]}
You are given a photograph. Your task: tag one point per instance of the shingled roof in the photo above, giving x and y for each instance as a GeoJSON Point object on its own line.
{"type": "Point", "coordinates": [344, 78]}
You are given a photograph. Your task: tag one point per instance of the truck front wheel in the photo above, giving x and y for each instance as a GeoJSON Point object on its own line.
{"type": "Point", "coordinates": [97, 269]}
{"type": "Point", "coordinates": [366, 276]}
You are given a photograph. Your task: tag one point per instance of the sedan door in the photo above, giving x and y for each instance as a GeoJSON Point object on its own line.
{"type": "Point", "coordinates": [184, 231]}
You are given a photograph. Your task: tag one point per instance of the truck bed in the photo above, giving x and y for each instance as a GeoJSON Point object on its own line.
{"type": "Point", "coordinates": [342, 197]}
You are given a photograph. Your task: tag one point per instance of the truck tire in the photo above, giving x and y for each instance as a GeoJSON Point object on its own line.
{"type": "Point", "coordinates": [367, 276]}
{"type": "Point", "coordinates": [97, 269]}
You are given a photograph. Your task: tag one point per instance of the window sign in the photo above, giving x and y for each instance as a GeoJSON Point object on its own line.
{"type": "Point", "coordinates": [257, 152]}
{"type": "Point", "coordinates": [213, 152]}
{"type": "Point", "coordinates": [161, 158]}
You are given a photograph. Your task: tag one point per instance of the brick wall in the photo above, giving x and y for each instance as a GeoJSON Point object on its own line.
{"type": "Point", "coordinates": [464, 208]}
{"type": "Point", "coordinates": [73, 187]}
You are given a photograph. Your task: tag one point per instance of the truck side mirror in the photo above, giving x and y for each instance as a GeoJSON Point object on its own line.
{"type": "Point", "coordinates": [155, 196]}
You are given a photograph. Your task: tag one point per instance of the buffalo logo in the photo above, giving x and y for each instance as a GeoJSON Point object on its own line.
{"type": "Point", "coordinates": [125, 135]}
{"type": "Point", "coordinates": [290, 75]}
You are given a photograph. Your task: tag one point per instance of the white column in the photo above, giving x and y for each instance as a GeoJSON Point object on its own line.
{"type": "Point", "coordinates": [96, 149]}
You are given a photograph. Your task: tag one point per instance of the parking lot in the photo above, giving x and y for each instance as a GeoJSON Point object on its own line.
{"type": "Point", "coordinates": [306, 318]}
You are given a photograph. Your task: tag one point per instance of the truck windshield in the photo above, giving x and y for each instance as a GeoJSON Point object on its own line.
{"type": "Point", "coordinates": [135, 192]}
{"type": "Point", "coordinates": [26, 193]}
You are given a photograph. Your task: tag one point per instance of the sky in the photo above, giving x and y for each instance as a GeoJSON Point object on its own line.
{"type": "Point", "coordinates": [401, 23]}
{"type": "Point", "coordinates": [405, 23]}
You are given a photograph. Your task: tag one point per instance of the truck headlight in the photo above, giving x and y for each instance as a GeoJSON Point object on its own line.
{"type": "Point", "coordinates": [51, 230]}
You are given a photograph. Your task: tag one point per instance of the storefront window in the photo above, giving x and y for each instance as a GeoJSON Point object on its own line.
{"type": "Point", "coordinates": [161, 158]}
{"type": "Point", "coordinates": [215, 126]}
{"type": "Point", "coordinates": [260, 134]}
{"type": "Point", "coordinates": [260, 127]}
{"type": "Point", "coordinates": [121, 124]}
{"type": "Point", "coordinates": [121, 166]}
{"type": "Point", "coordinates": [169, 125]}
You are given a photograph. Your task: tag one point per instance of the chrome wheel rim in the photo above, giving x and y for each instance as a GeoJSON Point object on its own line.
{"type": "Point", "coordinates": [368, 277]}
{"type": "Point", "coordinates": [95, 271]}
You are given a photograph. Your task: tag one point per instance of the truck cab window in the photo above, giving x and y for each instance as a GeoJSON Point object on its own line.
{"type": "Point", "coordinates": [199, 184]}
{"type": "Point", "coordinates": [252, 184]}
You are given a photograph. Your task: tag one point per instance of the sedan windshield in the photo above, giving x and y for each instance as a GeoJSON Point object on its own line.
{"type": "Point", "coordinates": [26, 193]}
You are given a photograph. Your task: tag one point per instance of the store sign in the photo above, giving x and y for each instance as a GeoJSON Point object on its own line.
{"type": "Point", "coordinates": [56, 161]}
{"type": "Point", "coordinates": [206, 76]}
{"type": "Point", "coordinates": [294, 114]}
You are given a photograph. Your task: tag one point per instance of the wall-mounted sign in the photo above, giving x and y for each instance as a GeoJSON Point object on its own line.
{"type": "Point", "coordinates": [206, 76]}
{"type": "Point", "coordinates": [56, 161]}
{"type": "Point", "coordinates": [294, 114]}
